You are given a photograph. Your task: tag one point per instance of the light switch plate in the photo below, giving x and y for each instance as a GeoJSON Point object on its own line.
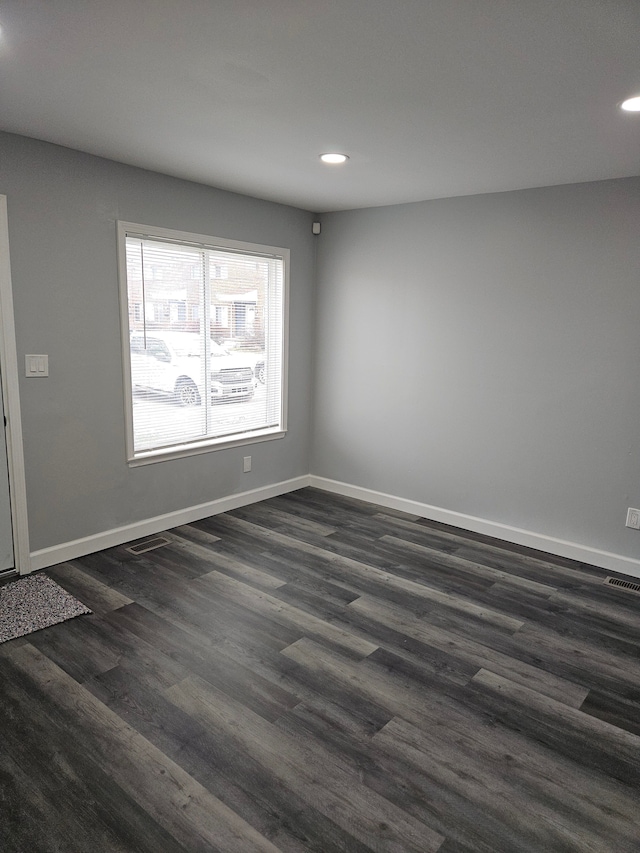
{"type": "Point", "coordinates": [36, 365]}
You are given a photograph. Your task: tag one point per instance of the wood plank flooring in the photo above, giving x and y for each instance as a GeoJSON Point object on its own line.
{"type": "Point", "coordinates": [313, 673]}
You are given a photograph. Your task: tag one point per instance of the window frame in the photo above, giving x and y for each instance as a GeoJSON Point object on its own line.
{"type": "Point", "coordinates": [200, 241]}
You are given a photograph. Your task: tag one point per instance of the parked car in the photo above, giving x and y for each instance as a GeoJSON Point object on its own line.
{"type": "Point", "coordinates": [257, 356]}
{"type": "Point", "coordinates": [170, 363]}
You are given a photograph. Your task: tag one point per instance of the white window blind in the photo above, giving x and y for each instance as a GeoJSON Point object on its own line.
{"type": "Point", "coordinates": [204, 352]}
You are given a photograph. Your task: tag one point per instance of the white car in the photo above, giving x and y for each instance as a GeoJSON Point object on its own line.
{"type": "Point", "coordinates": [171, 363]}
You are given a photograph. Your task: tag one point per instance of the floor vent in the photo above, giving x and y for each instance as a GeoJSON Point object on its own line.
{"type": "Point", "coordinates": [152, 544]}
{"type": "Point", "coordinates": [630, 586]}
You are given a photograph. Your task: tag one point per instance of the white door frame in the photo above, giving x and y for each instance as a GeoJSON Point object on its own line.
{"type": "Point", "coordinates": [11, 398]}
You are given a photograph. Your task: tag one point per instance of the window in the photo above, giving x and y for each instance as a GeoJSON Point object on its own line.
{"type": "Point", "coordinates": [180, 315]}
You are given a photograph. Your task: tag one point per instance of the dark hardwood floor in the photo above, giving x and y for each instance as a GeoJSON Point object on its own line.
{"type": "Point", "coordinates": [313, 673]}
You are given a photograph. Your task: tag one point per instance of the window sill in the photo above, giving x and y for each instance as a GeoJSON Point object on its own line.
{"type": "Point", "coordinates": [181, 451]}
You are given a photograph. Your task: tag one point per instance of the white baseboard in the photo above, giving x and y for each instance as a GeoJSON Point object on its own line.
{"type": "Point", "coordinates": [119, 535]}
{"type": "Point", "coordinates": [550, 545]}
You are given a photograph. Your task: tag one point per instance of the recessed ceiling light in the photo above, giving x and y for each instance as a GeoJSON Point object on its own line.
{"type": "Point", "coordinates": [632, 105]}
{"type": "Point", "coordinates": [333, 158]}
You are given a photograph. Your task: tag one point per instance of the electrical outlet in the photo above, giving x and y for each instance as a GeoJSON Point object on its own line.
{"type": "Point", "coordinates": [633, 518]}
{"type": "Point", "coordinates": [246, 467]}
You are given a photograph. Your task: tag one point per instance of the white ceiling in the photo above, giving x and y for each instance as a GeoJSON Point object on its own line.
{"type": "Point", "coordinates": [430, 98]}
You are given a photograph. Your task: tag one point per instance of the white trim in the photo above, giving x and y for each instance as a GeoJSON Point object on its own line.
{"type": "Point", "coordinates": [11, 396]}
{"type": "Point", "coordinates": [549, 544]}
{"type": "Point", "coordinates": [145, 457]}
{"type": "Point", "coordinates": [124, 342]}
{"type": "Point", "coordinates": [119, 535]}
{"type": "Point", "coordinates": [205, 241]}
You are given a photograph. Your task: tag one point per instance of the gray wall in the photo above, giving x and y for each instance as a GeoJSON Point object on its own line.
{"type": "Point", "coordinates": [482, 355]}
{"type": "Point", "coordinates": [478, 354]}
{"type": "Point", "coordinates": [63, 206]}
